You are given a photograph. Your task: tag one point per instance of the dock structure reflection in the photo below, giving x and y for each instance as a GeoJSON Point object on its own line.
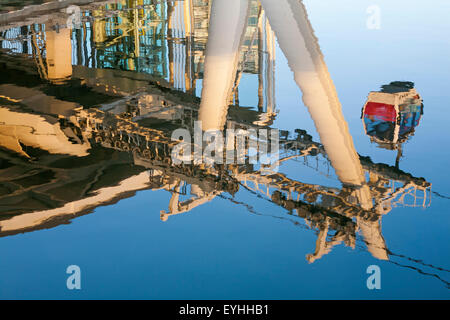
{"type": "Point", "coordinates": [164, 39]}
{"type": "Point", "coordinates": [137, 66]}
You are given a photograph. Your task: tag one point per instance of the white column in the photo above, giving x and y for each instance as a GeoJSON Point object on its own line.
{"type": "Point", "coordinates": [288, 19]}
{"type": "Point", "coordinates": [228, 20]}
{"type": "Point", "coordinates": [371, 231]}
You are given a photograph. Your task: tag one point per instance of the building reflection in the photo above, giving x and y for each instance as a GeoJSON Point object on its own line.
{"type": "Point", "coordinates": [138, 63]}
{"type": "Point", "coordinates": [164, 39]}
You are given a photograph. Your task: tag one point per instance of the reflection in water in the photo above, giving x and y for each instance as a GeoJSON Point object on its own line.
{"type": "Point", "coordinates": [226, 30]}
{"type": "Point", "coordinates": [138, 63]}
{"type": "Point", "coordinates": [391, 115]}
{"type": "Point", "coordinates": [9, 5]}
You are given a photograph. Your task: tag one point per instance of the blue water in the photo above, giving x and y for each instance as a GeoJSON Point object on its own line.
{"type": "Point", "coordinates": [251, 248]}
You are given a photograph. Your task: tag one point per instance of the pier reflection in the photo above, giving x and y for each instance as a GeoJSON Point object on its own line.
{"type": "Point", "coordinates": [89, 120]}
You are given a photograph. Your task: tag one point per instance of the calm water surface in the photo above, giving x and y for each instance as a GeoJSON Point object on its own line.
{"type": "Point", "coordinates": [358, 92]}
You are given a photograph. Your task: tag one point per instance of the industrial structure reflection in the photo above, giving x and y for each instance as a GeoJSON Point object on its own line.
{"type": "Point", "coordinates": [70, 153]}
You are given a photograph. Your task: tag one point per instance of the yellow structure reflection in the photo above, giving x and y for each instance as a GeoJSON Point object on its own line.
{"type": "Point", "coordinates": [59, 54]}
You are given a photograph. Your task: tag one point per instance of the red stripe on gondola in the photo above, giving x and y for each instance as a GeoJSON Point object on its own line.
{"type": "Point", "coordinates": [380, 111]}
